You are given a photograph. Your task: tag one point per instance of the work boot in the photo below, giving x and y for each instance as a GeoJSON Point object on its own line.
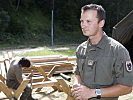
{"type": "Point", "coordinates": [26, 93]}
{"type": "Point", "coordinates": [31, 98]}
{"type": "Point", "coordinates": [13, 98]}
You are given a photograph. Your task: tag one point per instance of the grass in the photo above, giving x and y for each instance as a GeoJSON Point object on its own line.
{"type": "Point", "coordinates": [70, 52]}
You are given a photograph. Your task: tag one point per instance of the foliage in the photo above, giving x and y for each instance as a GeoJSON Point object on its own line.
{"type": "Point", "coordinates": [29, 21]}
{"type": "Point", "coordinates": [4, 20]}
{"type": "Point", "coordinates": [50, 52]}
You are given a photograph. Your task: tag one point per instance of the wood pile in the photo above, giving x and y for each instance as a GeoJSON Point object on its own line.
{"type": "Point", "coordinates": [45, 66]}
{"type": "Point", "coordinates": [67, 64]}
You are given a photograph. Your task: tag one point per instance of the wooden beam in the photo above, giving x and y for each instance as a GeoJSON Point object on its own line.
{"type": "Point", "coordinates": [48, 59]}
{"type": "Point", "coordinates": [44, 84]}
{"type": "Point", "coordinates": [66, 89]}
{"type": "Point", "coordinates": [52, 71]}
{"type": "Point", "coordinates": [5, 90]}
{"type": "Point", "coordinates": [21, 88]}
{"type": "Point", "coordinates": [2, 78]}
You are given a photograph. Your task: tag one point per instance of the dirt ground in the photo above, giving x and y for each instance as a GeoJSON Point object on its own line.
{"type": "Point", "coordinates": [48, 93]}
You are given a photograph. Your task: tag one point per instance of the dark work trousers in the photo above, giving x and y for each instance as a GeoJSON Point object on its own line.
{"type": "Point", "coordinates": [14, 84]}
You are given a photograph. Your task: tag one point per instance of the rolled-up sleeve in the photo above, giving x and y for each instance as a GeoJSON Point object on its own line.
{"type": "Point", "coordinates": [77, 63]}
{"type": "Point", "coordinates": [123, 68]}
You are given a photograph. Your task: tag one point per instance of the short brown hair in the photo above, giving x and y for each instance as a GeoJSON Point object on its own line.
{"type": "Point", "coordinates": [24, 62]}
{"type": "Point", "coordinates": [101, 14]}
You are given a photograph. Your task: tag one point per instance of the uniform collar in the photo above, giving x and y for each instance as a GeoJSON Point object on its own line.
{"type": "Point", "coordinates": [84, 44]}
{"type": "Point", "coordinates": [102, 43]}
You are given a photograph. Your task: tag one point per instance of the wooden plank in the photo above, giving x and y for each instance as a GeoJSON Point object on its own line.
{"type": "Point", "coordinates": [52, 71]}
{"type": "Point", "coordinates": [5, 90]}
{"type": "Point", "coordinates": [7, 64]}
{"type": "Point", "coordinates": [50, 66]}
{"type": "Point", "coordinates": [72, 58]}
{"type": "Point", "coordinates": [55, 62]}
{"type": "Point", "coordinates": [10, 55]}
{"type": "Point", "coordinates": [5, 55]}
{"type": "Point", "coordinates": [48, 59]}
{"type": "Point", "coordinates": [63, 71]}
{"type": "Point", "coordinates": [42, 71]}
{"type": "Point", "coordinates": [3, 69]}
{"type": "Point", "coordinates": [66, 89]}
{"type": "Point", "coordinates": [47, 66]}
{"type": "Point", "coordinates": [2, 78]}
{"type": "Point", "coordinates": [43, 58]}
{"type": "Point", "coordinates": [21, 88]}
{"type": "Point", "coordinates": [37, 79]}
{"type": "Point", "coordinates": [44, 84]}
{"type": "Point", "coordinates": [49, 56]}
{"type": "Point", "coordinates": [63, 68]}
{"type": "Point", "coordinates": [46, 76]}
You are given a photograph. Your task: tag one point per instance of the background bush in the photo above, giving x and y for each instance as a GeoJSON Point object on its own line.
{"type": "Point", "coordinates": [28, 22]}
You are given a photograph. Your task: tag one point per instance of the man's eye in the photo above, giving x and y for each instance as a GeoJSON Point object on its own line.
{"type": "Point", "coordinates": [81, 21]}
{"type": "Point", "coordinates": [88, 21]}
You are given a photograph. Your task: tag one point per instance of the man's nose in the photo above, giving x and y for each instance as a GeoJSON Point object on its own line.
{"type": "Point", "coordinates": [83, 25]}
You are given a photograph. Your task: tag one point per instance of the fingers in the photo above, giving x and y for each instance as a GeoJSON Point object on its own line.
{"type": "Point", "coordinates": [30, 75]}
{"type": "Point", "coordinates": [77, 96]}
{"type": "Point", "coordinates": [76, 92]}
{"type": "Point", "coordinates": [76, 85]}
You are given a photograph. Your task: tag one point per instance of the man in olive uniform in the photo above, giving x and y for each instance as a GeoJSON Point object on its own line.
{"type": "Point", "coordinates": [14, 77]}
{"type": "Point", "coordinates": [104, 69]}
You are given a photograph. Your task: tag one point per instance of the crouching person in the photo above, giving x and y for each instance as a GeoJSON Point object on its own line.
{"type": "Point", "coordinates": [14, 77]}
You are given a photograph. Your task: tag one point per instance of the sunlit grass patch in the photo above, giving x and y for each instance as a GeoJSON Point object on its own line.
{"type": "Point", "coordinates": [50, 52]}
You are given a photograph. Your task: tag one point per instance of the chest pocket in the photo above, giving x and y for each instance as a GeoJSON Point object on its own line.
{"type": "Point", "coordinates": [104, 70]}
{"type": "Point", "coordinates": [86, 69]}
{"type": "Point", "coordinates": [80, 62]}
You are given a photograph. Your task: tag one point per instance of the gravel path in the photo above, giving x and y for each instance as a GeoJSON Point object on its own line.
{"type": "Point", "coordinates": [48, 93]}
{"type": "Point", "coordinates": [17, 52]}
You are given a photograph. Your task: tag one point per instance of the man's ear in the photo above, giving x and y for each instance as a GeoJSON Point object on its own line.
{"type": "Point", "coordinates": [101, 23]}
{"type": "Point", "coordinates": [20, 65]}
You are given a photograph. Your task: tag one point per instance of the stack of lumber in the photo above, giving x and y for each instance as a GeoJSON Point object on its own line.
{"type": "Point", "coordinates": [51, 58]}
{"type": "Point", "coordinates": [46, 66]}
{"type": "Point", "coordinates": [10, 93]}
{"type": "Point", "coordinates": [66, 63]}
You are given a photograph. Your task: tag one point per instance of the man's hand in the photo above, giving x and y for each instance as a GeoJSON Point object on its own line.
{"type": "Point", "coordinates": [75, 93]}
{"type": "Point", "coordinates": [81, 92]}
{"type": "Point", "coordinates": [30, 75]}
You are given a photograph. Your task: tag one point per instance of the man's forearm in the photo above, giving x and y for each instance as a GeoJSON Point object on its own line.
{"type": "Point", "coordinates": [20, 80]}
{"type": "Point", "coordinates": [113, 91]}
{"type": "Point", "coordinates": [77, 80]}
{"type": "Point", "coordinates": [116, 90]}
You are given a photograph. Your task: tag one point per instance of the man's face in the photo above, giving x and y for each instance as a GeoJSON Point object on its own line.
{"type": "Point", "coordinates": [24, 68]}
{"type": "Point", "coordinates": [89, 23]}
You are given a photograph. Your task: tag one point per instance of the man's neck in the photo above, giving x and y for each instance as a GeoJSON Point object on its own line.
{"type": "Point", "coordinates": [96, 39]}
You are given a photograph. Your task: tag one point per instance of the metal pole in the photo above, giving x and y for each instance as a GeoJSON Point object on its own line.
{"type": "Point", "coordinates": [52, 25]}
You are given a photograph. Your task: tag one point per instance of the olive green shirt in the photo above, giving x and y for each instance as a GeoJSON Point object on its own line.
{"type": "Point", "coordinates": [104, 65]}
{"type": "Point", "coordinates": [15, 71]}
